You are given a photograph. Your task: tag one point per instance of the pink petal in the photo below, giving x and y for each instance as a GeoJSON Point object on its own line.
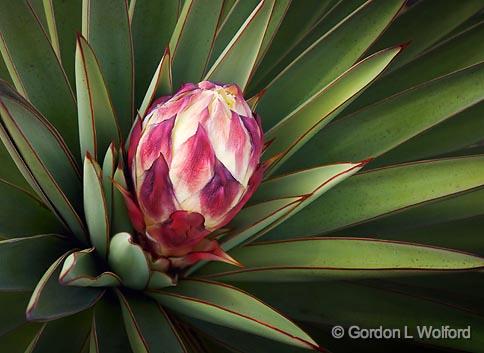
{"type": "Point", "coordinates": [134, 212]}
{"type": "Point", "coordinates": [253, 184]}
{"type": "Point", "coordinates": [192, 165]}
{"type": "Point", "coordinates": [209, 251]}
{"type": "Point", "coordinates": [219, 195]}
{"type": "Point", "coordinates": [157, 102]}
{"type": "Point", "coordinates": [155, 195]}
{"type": "Point", "coordinates": [156, 140]}
{"type": "Point", "coordinates": [179, 234]}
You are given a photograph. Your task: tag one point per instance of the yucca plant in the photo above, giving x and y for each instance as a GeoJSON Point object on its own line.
{"type": "Point", "coordinates": [142, 208]}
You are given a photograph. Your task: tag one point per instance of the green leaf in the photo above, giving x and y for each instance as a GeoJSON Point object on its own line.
{"type": "Point", "coordinates": [236, 62]}
{"type": "Point", "coordinates": [129, 261]}
{"type": "Point", "coordinates": [460, 131]}
{"type": "Point", "coordinates": [329, 57]}
{"type": "Point", "coordinates": [463, 234]}
{"type": "Point", "coordinates": [159, 280]}
{"type": "Point", "coordinates": [313, 259]}
{"type": "Point", "coordinates": [95, 207]}
{"type": "Point", "coordinates": [192, 38]}
{"type": "Point", "coordinates": [225, 305]}
{"type": "Point", "coordinates": [424, 24]}
{"type": "Point", "coordinates": [9, 171]}
{"type": "Point", "coordinates": [230, 25]}
{"type": "Point", "coordinates": [148, 326]}
{"type": "Point", "coordinates": [120, 221]}
{"type": "Point", "coordinates": [32, 62]}
{"type": "Point", "coordinates": [68, 300]}
{"type": "Point", "coordinates": [13, 310]}
{"type": "Point", "coordinates": [51, 26]}
{"type": "Point", "coordinates": [105, 25]}
{"type": "Point", "coordinates": [108, 169]}
{"type": "Point", "coordinates": [23, 261]}
{"type": "Point", "coordinates": [380, 192]}
{"type": "Point", "coordinates": [378, 128]}
{"type": "Point", "coordinates": [295, 191]}
{"type": "Point", "coordinates": [19, 340]}
{"type": "Point", "coordinates": [83, 269]}
{"type": "Point", "coordinates": [161, 83]}
{"type": "Point", "coordinates": [68, 21]}
{"type": "Point", "coordinates": [152, 26]}
{"type": "Point", "coordinates": [299, 18]}
{"type": "Point", "coordinates": [63, 335]}
{"type": "Point", "coordinates": [108, 334]}
{"type": "Point", "coordinates": [373, 303]}
{"type": "Point", "coordinates": [98, 126]}
{"type": "Point", "coordinates": [254, 219]}
{"type": "Point", "coordinates": [293, 131]}
{"type": "Point", "coordinates": [461, 206]}
{"type": "Point", "coordinates": [456, 53]}
{"type": "Point", "coordinates": [46, 157]}
{"type": "Point", "coordinates": [12, 219]}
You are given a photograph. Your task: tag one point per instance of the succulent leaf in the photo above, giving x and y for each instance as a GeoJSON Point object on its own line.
{"type": "Point", "coordinates": [82, 269]}
{"type": "Point", "coordinates": [96, 207]}
{"type": "Point", "coordinates": [32, 256]}
{"type": "Point", "coordinates": [148, 326]}
{"type": "Point", "coordinates": [70, 300]}
{"type": "Point", "coordinates": [228, 306]}
{"type": "Point", "coordinates": [98, 125]}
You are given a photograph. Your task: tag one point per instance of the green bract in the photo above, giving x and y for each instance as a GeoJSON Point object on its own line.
{"type": "Point", "coordinates": [371, 211]}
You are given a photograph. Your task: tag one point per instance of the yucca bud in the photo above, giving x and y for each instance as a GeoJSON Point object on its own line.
{"type": "Point", "coordinates": [194, 162]}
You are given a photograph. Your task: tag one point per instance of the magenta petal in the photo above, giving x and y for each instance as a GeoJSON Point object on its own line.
{"type": "Point", "coordinates": [192, 166]}
{"type": "Point", "coordinates": [158, 140]}
{"type": "Point", "coordinates": [156, 192]}
{"type": "Point", "coordinates": [134, 211]}
{"type": "Point", "coordinates": [157, 102]}
{"type": "Point", "coordinates": [178, 235]}
{"type": "Point", "coordinates": [254, 183]}
{"type": "Point", "coordinates": [219, 194]}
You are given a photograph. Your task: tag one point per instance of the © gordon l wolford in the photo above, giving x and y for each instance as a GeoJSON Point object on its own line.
{"type": "Point", "coordinates": [417, 332]}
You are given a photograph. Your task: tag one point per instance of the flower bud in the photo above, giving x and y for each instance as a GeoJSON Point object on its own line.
{"type": "Point", "coordinates": [194, 161]}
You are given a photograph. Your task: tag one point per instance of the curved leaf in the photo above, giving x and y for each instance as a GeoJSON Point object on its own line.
{"type": "Point", "coordinates": [373, 303]}
{"type": "Point", "coordinates": [313, 259]}
{"type": "Point", "coordinates": [383, 191]}
{"type": "Point", "coordinates": [228, 306]}
{"type": "Point", "coordinates": [292, 132]}
{"type": "Point", "coordinates": [82, 269]}
{"type": "Point", "coordinates": [192, 39]}
{"type": "Point", "coordinates": [326, 59]}
{"type": "Point", "coordinates": [12, 219]}
{"type": "Point", "coordinates": [378, 128]}
{"type": "Point", "coordinates": [13, 311]}
{"type": "Point", "coordinates": [108, 169]}
{"type": "Point", "coordinates": [20, 339]}
{"type": "Point", "coordinates": [120, 221]}
{"type": "Point", "coordinates": [150, 21]}
{"type": "Point", "coordinates": [95, 207]}
{"type": "Point", "coordinates": [161, 83]}
{"type": "Point", "coordinates": [298, 20]}
{"type": "Point", "coordinates": [107, 330]}
{"type": "Point", "coordinates": [148, 326]}
{"type": "Point", "coordinates": [69, 300]}
{"type": "Point", "coordinates": [424, 24]}
{"type": "Point", "coordinates": [129, 261]}
{"type": "Point", "coordinates": [456, 53]}
{"type": "Point", "coordinates": [24, 261]}
{"type": "Point", "coordinates": [46, 157]}
{"type": "Point", "coordinates": [32, 62]}
{"type": "Point", "coordinates": [236, 62]}
{"type": "Point", "coordinates": [98, 126]}
{"type": "Point", "coordinates": [106, 27]}
{"type": "Point", "coordinates": [63, 335]}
